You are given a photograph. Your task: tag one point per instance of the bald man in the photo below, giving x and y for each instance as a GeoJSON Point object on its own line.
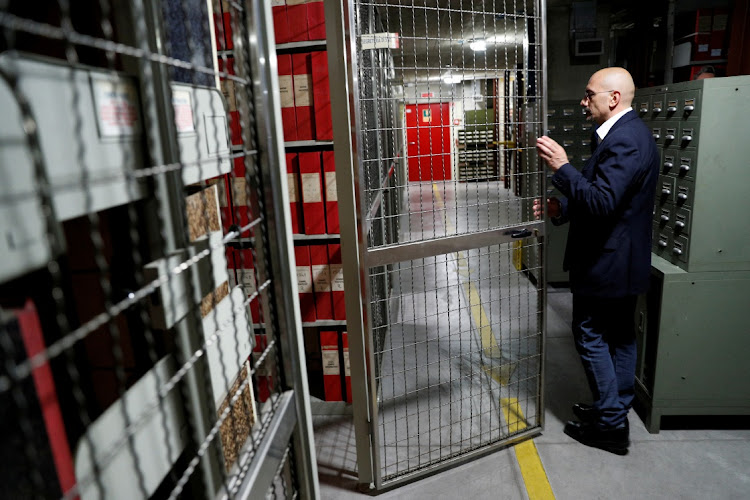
{"type": "Point", "coordinates": [609, 205]}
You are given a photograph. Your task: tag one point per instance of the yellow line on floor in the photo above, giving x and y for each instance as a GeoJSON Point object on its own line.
{"type": "Point", "coordinates": [532, 470]}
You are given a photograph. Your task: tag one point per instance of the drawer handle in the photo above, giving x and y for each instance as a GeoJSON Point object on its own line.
{"type": "Point", "coordinates": [656, 137]}
{"type": "Point", "coordinates": [680, 224]}
{"type": "Point", "coordinates": [684, 168]}
{"type": "Point", "coordinates": [669, 137]}
{"type": "Point", "coordinates": [672, 109]}
{"type": "Point", "coordinates": [682, 196]}
{"type": "Point", "coordinates": [677, 251]}
{"type": "Point", "coordinates": [689, 108]}
{"type": "Point", "coordinates": [662, 244]}
{"type": "Point", "coordinates": [666, 192]}
{"type": "Point", "coordinates": [665, 218]}
{"type": "Point", "coordinates": [668, 165]}
{"type": "Point", "coordinates": [686, 138]}
{"type": "Point", "coordinates": [657, 109]}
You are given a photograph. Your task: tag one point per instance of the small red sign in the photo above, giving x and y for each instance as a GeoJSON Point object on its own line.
{"type": "Point", "coordinates": [428, 94]}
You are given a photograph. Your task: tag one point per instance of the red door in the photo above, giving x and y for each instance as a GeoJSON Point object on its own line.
{"type": "Point", "coordinates": [428, 140]}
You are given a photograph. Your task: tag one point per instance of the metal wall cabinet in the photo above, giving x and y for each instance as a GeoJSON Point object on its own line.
{"type": "Point", "coordinates": [693, 342]}
{"type": "Point", "coordinates": [699, 128]}
{"type": "Point", "coordinates": [691, 322]}
{"type": "Point", "coordinates": [566, 123]}
{"type": "Point", "coordinates": [127, 351]}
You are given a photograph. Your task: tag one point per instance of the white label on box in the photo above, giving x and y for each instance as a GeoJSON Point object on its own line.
{"type": "Point", "coordinates": [337, 277]}
{"type": "Point", "coordinates": [302, 92]}
{"type": "Point", "coordinates": [347, 368]}
{"type": "Point", "coordinates": [380, 41]}
{"type": "Point", "coordinates": [321, 278]}
{"type": "Point", "coordinates": [277, 3]}
{"type": "Point", "coordinates": [183, 111]}
{"type": "Point", "coordinates": [116, 104]}
{"type": "Point", "coordinates": [232, 279]}
{"type": "Point", "coordinates": [291, 182]}
{"type": "Point", "coordinates": [247, 280]}
{"type": "Point", "coordinates": [304, 279]}
{"type": "Point", "coordinates": [311, 188]}
{"type": "Point", "coordinates": [330, 358]}
{"type": "Point", "coordinates": [331, 192]}
{"type": "Point", "coordinates": [296, 2]}
{"type": "Point", "coordinates": [240, 191]}
{"type": "Point", "coordinates": [702, 47]}
{"type": "Point", "coordinates": [227, 88]}
{"type": "Point", "coordinates": [715, 52]}
{"type": "Point", "coordinates": [286, 91]}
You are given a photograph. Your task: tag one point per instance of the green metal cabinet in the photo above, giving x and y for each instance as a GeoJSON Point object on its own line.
{"type": "Point", "coordinates": [694, 343]}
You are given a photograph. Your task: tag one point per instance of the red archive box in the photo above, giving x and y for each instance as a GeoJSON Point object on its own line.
{"type": "Point", "coordinates": [228, 31]}
{"type": "Point", "coordinates": [226, 218]}
{"type": "Point", "coordinates": [332, 197]}
{"type": "Point", "coordinates": [246, 277]}
{"type": "Point", "coordinates": [312, 193]}
{"type": "Point", "coordinates": [337, 281]}
{"type": "Point", "coordinates": [286, 94]}
{"type": "Point", "coordinates": [717, 43]}
{"type": "Point", "coordinates": [296, 13]}
{"type": "Point", "coordinates": [703, 18]}
{"type": "Point", "coordinates": [321, 96]}
{"type": "Point", "coordinates": [234, 116]}
{"type": "Point", "coordinates": [321, 281]}
{"type": "Point", "coordinates": [263, 373]}
{"type": "Point", "coordinates": [347, 367]}
{"type": "Point", "coordinates": [304, 284]}
{"type": "Point", "coordinates": [303, 97]}
{"type": "Point", "coordinates": [219, 34]}
{"type": "Point", "coordinates": [292, 180]}
{"type": "Point", "coordinates": [280, 21]}
{"type": "Point", "coordinates": [329, 350]}
{"type": "Point", "coordinates": [316, 22]}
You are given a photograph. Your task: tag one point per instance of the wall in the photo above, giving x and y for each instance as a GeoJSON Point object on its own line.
{"type": "Point", "coordinates": [568, 76]}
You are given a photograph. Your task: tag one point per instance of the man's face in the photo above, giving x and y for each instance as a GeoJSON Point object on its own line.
{"type": "Point", "coordinates": [595, 102]}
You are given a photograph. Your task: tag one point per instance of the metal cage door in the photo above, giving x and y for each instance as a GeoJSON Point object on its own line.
{"type": "Point", "coordinates": [451, 262]}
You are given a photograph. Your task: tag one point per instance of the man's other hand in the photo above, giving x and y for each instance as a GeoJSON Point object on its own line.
{"type": "Point", "coordinates": [553, 208]}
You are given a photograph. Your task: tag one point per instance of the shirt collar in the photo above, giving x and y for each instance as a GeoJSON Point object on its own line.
{"type": "Point", "coordinates": [605, 127]}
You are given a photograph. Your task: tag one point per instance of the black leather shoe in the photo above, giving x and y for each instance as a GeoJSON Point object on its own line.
{"type": "Point", "coordinates": [612, 440]}
{"type": "Point", "coordinates": [584, 412]}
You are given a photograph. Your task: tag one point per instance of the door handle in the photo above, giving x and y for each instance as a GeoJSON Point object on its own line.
{"type": "Point", "coordinates": [519, 233]}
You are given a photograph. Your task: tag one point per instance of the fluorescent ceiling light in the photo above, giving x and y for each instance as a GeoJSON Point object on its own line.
{"type": "Point", "coordinates": [478, 45]}
{"type": "Point", "coordinates": [452, 78]}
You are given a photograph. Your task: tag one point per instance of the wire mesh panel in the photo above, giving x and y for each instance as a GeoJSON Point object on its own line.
{"type": "Point", "coordinates": [146, 339]}
{"type": "Point", "coordinates": [448, 100]}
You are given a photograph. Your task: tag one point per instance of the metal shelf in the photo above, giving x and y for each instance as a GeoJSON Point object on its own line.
{"type": "Point", "coordinates": [308, 144]}
{"type": "Point", "coordinates": [301, 46]}
{"type": "Point", "coordinates": [316, 237]}
{"type": "Point", "coordinates": [321, 323]}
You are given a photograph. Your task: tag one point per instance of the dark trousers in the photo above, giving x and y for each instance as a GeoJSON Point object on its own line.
{"type": "Point", "coordinates": [604, 333]}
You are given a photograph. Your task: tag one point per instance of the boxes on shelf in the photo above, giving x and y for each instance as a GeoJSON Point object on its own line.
{"type": "Point", "coordinates": [280, 21]}
{"type": "Point", "coordinates": [321, 96]}
{"type": "Point", "coordinates": [337, 281]}
{"type": "Point", "coordinates": [329, 347]}
{"type": "Point", "coordinates": [286, 95]}
{"type": "Point", "coordinates": [321, 282]}
{"type": "Point", "coordinates": [295, 202]}
{"type": "Point", "coordinates": [332, 198]}
{"type": "Point", "coordinates": [305, 284]}
{"type": "Point", "coordinates": [303, 96]}
{"type": "Point", "coordinates": [312, 193]}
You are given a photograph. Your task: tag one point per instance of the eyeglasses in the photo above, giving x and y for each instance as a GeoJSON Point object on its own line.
{"type": "Point", "coordinates": [588, 94]}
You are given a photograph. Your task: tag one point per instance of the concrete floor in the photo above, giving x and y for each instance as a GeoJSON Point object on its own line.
{"type": "Point", "coordinates": [673, 464]}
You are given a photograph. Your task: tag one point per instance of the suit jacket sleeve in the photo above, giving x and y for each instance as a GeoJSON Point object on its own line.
{"type": "Point", "coordinates": [601, 194]}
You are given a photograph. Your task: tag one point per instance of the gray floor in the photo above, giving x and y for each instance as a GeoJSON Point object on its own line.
{"type": "Point", "coordinates": [426, 406]}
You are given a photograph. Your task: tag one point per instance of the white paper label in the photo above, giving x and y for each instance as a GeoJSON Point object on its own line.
{"type": "Point", "coordinates": [715, 52]}
{"type": "Point", "coordinates": [232, 279]}
{"type": "Point", "coordinates": [240, 191]}
{"type": "Point", "coordinates": [183, 111]}
{"type": "Point", "coordinates": [116, 107]}
{"type": "Point", "coordinates": [331, 192]}
{"type": "Point", "coordinates": [277, 3]}
{"type": "Point", "coordinates": [302, 90]}
{"type": "Point", "coordinates": [286, 91]}
{"type": "Point", "coordinates": [304, 279]}
{"type": "Point", "coordinates": [347, 368]}
{"type": "Point", "coordinates": [702, 47]}
{"type": "Point", "coordinates": [247, 279]}
{"type": "Point", "coordinates": [330, 358]}
{"type": "Point", "coordinates": [321, 278]}
{"type": "Point", "coordinates": [291, 182]}
{"type": "Point", "coordinates": [380, 41]}
{"type": "Point", "coordinates": [311, 188]}
{"type": "Point", "coordinates": [337, 277]}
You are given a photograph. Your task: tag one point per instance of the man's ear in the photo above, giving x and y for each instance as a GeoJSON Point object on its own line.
{"type": "Point", "coordinates": [616, 98]}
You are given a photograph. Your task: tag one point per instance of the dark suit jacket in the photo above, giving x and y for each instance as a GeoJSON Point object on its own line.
{"type": "Point", "coordinates": [609, 205]}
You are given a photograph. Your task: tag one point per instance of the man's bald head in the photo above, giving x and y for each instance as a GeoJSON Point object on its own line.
{"type": "Point", "coordinates": [612, 90]}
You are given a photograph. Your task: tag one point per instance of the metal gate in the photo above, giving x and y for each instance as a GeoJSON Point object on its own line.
{"type": "Point", "coordinates": [450, 364]}
{"type": "Point", "coordinates": [150, 347]}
